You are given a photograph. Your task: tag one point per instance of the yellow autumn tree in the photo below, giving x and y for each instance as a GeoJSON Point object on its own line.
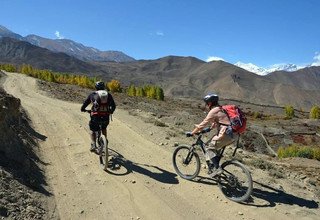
{"type": "Point", "coordinates": [114, 86]}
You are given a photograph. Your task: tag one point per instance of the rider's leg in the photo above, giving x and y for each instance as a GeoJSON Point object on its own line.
{"type": "Point", "coordinates": [104, 132]}
{"type": "Point", "coordinates": [105, 123]}
{"type": "Point", "coordinates": [211, 155]}
{"type": "Point", "coordinates": [215, 145]}
{"type": "Point", "coordinates": [93, 127]}
{"type": "Point", "coordinates": [93, 137]}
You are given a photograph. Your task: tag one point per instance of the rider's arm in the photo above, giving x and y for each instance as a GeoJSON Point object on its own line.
{"type": "Point", "coordinates": [112, 104]}
{"type": "Point", "coordinates": [86, 103]}
{"type": "Point", "coordinates": [221, 134]}
{"type": "Point", "coordinates": [210, 119]}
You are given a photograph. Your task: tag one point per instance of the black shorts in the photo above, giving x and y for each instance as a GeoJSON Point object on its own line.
{"type": "Point", "coordinates": [96, 121]}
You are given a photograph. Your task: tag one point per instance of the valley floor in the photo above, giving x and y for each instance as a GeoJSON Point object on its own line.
{"type": "Point", "coordinates": [145, 186]}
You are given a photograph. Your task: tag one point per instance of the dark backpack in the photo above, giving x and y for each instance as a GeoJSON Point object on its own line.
{"type": "Point", "coordinates": [237, 118]}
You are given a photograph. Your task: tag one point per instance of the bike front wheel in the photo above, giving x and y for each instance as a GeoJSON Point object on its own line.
{"type": "Point", "coordinates": [186, 162]}
{"type": "Point", "coordinates": [103, 152]}
{"type": "Point", "coordinates": [235, 182]}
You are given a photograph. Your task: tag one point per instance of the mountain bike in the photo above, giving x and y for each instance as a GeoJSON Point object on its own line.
{"type": "Point", "coordinates": [235, 181]}
{"type": "Point", "coordinates": [102, 147]}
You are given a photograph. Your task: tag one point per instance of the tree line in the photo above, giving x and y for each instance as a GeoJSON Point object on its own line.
{"type": "Point", "coordinates": [150, 91]}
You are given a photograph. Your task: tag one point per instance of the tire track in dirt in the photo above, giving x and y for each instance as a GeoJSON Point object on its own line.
{"type": "Point", "coordinates": [145, 186]}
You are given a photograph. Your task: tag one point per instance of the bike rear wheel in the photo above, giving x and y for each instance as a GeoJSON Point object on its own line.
{"type": "Point", "coordinates": [186, 162]}
{"type": "Point", "coordinates": [235, 182]}
{"type": "Point", "coordinates": [103, 152]}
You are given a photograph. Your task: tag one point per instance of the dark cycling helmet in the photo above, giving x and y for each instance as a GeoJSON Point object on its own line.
{"type": "Point", "coordinates": [100, 85]}
{"type": "Point", "coordinates": [213, 98]}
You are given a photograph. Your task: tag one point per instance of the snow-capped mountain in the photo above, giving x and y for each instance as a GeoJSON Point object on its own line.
{"type": "Point", "coordinates": [284, 67]}
{"type": "Point", "coordinates": [264, 71]}
{"type": "Point", "coordinates": [252, 68]}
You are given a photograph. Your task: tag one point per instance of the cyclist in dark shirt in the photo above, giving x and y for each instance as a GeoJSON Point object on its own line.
{"type": "Point", "coordinates": [102, 106]}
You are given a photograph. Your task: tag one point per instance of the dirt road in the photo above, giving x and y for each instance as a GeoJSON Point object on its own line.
{"type": "Point", "coordinates": [145, 186]}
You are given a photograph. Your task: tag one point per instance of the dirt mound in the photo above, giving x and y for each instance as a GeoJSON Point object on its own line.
{"type": "Point", "coordinates": [21, 178]}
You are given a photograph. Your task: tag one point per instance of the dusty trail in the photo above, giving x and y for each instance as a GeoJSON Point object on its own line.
{"type": "Point", "coordinates": [145, 187]}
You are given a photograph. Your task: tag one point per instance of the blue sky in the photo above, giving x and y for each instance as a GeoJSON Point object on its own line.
{"type": "Point", "coordinates": [263, 32]}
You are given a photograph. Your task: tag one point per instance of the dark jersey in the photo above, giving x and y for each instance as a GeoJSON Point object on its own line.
{"type": "Point", "coordinates": [97, 107]}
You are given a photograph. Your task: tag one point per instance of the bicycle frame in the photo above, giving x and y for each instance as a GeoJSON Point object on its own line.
{"type": "Point", "coordinates": [234, 181]}
{"type": "Point", "coordinates": [201, 143]}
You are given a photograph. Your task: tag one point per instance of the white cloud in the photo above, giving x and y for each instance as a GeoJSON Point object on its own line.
{"type": "Point", "coordinates": [213, 58]}
{"type": "Point", "coordinates": [316, 59]}
{"type": "Point", "coordinates": [159, 33]}
{"type": "Point", "coordinates": [57, 33]}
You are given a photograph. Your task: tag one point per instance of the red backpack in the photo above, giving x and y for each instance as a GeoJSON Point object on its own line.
{"type": "Point", "coordinates": [237, 118]}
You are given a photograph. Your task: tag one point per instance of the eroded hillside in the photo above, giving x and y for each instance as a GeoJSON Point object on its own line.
{"type": "Point", "coordinates": [21, 178]}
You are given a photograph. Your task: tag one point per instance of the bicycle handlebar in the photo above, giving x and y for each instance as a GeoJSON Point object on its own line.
{"type": "Point", "coordinates": [206, 130]}
{"type": "Point", "coordinates": [89, 111]}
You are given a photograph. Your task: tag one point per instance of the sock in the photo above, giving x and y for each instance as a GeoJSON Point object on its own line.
{"type": "Point", "coordinates": [215, 161]}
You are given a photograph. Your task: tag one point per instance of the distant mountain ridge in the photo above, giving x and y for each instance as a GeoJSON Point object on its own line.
{"type": "Point", "coordinates": [21, 52]}
{"type": "Point", "coordinates": [70, 47]}
{"type": "Point", "coordinates": [181, 76]}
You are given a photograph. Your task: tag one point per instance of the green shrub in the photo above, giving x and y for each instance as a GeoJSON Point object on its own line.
{"type": "Point", "coordinates": [8, 67]}
{"type": "Point", "coordinates": [289, 111]}
{"type": "Point", "coordinates": [295, 151]}
{"type": "Point", "coordinates": [315, 112]}
{"type": "Point", "coordinates": [257, 115]}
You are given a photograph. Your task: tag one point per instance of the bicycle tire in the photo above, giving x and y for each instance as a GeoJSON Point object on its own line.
{"type": "Point", "coordinates": [183, 151]}
{"type": "Point", "coordinates": [103, 154]}
{"type": "Point", "coordinates": [230, 183]}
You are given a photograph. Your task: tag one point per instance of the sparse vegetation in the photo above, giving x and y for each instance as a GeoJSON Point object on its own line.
{"type": "Point", "coordinates": [150, 91]}
{"type": "Point", "coordinates": [257, 115]}
{"type": "Point", "coordinates": [8, 67]}
{"type": "Point", "coordinates": [265, 165]}
{"type": "Point", "coordinates": [262, 164]}
{"type": "Point", "coordinates": [159, 123]}
{"type": "Point", "coordinates": [289, 111]}
{"type": "Point", "coordinates": [315, 112]}
{"type": "Point", "coordinates": [296, 151]}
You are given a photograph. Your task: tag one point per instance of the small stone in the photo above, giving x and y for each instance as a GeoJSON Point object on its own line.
{"type": "Point", "coordinates": [240, 213]}
{"type": "Point", "coordinates": [303, 177]}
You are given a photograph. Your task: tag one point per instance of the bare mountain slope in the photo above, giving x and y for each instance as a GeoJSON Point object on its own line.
{"type": "Point", "coordinates": [20, 52]}
{"type": "Point", "coordinates": [181, 76]}
{"type": "Point", "coordinates": [77, 50]}
{"type": "Point", "coordinates": [307, 78]}
{"type": "Point", "coordinates": [69, 47]}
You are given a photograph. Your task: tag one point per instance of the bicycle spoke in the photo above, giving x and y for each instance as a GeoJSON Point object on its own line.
{"type": "Point", "coordinates": [186, 164]}
{"type": "Point", "coordinates": [235, 182]}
